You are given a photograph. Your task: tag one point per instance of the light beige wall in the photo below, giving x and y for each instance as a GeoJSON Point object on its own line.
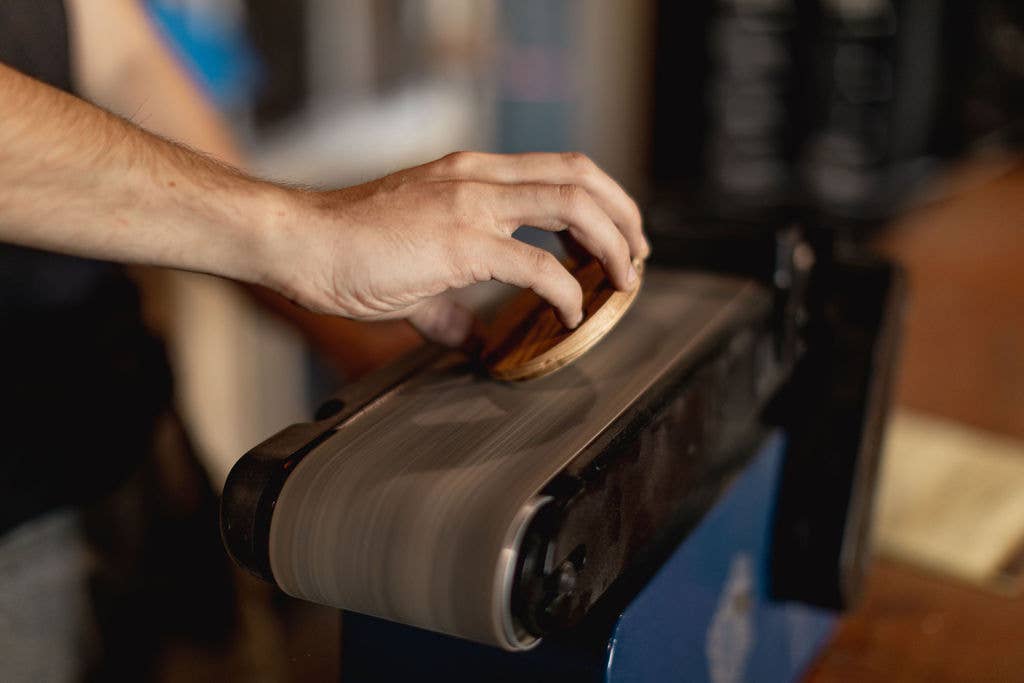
{"type": "Point", "coordinates": [611, 67]}
{"type": "Point", "coordinates": [240, 374]}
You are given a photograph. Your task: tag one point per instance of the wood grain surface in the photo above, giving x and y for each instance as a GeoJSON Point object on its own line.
{"type": "Point", "coordinates": [408, 512]}
{"type": "Point", "coordinates": [964, 331]}
{"type": "Point", "coordinates": [526, 340]}
{"type": "Point", "coordinates": [913, 626]}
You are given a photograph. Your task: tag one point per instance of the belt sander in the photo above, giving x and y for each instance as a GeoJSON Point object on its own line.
{"type": "Point", "coordinates": [432, 495]}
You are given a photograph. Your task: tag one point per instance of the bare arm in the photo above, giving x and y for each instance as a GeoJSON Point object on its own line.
{"type": "Point", "coordinates": [79, 180]}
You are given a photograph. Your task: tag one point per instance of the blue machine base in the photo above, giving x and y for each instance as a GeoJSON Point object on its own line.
{"type": "Point", "coordinates": [704, 616]}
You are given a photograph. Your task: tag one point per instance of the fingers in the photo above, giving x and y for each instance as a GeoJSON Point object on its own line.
{"type": "Point", "coordinates": [442, 320]}
{"type": "Point", "coordinates": [507, 260]}
{"type": "Point", "coordinates": [487, 196]}
{"type": "Point", "coordinates": [517, 263]}
{"type": "Point", "coordinates": [558, 207]}
{"type": "Point", "coordinates": [571, 168]}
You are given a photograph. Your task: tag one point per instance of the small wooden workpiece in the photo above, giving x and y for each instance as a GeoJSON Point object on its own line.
{"type": "Point", "coordinates": [526, 339]}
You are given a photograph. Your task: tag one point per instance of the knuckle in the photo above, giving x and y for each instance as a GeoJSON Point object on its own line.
{"type": "Point", "coordinates": [578, 162]}
{"type": "Point", "coordinates": [572, 196]}
{"type": "Point", "coordinates": [541, 263]}
{"type": "Point", "coordinates": [457, 163]}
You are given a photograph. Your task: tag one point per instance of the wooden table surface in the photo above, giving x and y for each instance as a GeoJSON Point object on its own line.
{"type": "Point", "coordinates": [964, 327]}
{"type": "Point", "coordinates": [912, 626]}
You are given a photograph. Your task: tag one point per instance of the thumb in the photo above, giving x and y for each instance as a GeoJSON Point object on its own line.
{"type": "Point", "coordinates": [442, 320]}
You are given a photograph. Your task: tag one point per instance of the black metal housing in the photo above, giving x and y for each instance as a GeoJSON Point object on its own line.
{"type": "Point", "coordinates": [651, 475]}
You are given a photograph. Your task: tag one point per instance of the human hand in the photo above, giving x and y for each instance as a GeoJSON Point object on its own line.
{"type": "Point", "coordinates": [390, 248]}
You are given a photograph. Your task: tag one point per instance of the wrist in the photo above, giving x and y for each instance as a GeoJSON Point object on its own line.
{"type": "Point", "coordinates": [275, 243]}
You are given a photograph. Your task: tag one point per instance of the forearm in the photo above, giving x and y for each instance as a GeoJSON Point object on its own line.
{"type": "Point", "coordinates": [78, 180]}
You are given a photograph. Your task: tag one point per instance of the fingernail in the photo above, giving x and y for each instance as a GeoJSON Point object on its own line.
{"type": "Point", "coordinates": [631, 276]}
{"type": "Point", "coordinates": [579, 320]}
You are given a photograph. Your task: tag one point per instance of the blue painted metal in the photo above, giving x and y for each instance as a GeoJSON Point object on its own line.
{"type": "Point", "coordinates": [707, 615]}
{"type": "Point", "coordinates": [704, 616]}
{"type": "Point", "coordinates": [215, 51]}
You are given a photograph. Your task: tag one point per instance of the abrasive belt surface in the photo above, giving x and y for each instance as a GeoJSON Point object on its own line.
{"type": "Point", "coordinates": [403, 513]}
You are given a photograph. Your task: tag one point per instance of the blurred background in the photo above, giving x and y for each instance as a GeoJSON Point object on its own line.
{"type": "Point", "coordinates": [898, 124]}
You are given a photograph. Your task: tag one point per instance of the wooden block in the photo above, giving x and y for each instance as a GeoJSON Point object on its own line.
{"type": "Point", "coordinates": [950, 500]}
{"type": "Point", "coordinates": [526, 339]}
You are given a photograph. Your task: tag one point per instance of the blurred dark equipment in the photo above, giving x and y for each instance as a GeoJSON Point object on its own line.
{"type": "Point", "coordinates": [829, 115]}
{"type": "Point", "coordinates": [826, 115]}
{"type": "Point", "coordinates": [299, 39]}
{"type": "Point", "coordinates": [827, 112]}
{"type": "Point", "coordinates": [277, 30]}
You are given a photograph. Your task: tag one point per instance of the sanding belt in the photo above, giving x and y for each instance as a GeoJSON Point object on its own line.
{"type": "Point", "coordinates": [413, 511]}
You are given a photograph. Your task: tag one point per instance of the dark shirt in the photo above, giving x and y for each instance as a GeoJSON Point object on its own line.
{"type": "Point", "coordinates": [34, 40]}
{"type": "Point", "coordinates": [82, 382]}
